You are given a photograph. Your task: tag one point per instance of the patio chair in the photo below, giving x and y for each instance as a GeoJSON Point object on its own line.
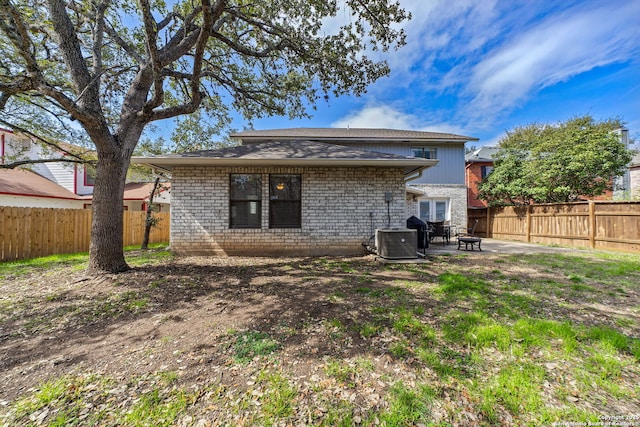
{"type": "Point", "coordinates": [470, 238]}
{"type": "Point", "coordinates": [438, 229]}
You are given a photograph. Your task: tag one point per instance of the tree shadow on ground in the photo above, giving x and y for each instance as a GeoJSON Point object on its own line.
{"type": "Point", "coordinates": [187, 314]}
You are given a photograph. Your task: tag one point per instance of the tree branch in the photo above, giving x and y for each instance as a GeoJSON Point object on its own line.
{"type": "Point", "coordinates": [46, 142]}
{"type": "Point", "coordinates": [98, 36]}
{"type": "Point", "coordinates": [71, 50]}
{"type": "Point", "coordinates": [151, 36]}
{"type": "Point", "coordinates": [209, 16]}
{"type": "Point", "coordinates": [244, 50]}
{"type": "Point", "coordinates": [19, 163]}
{"type": "Point", "coordinates": [19, 85]}
{"type": "Point", "coordinates": [15, 29]}
{"type": "Point", "coordinates": [113, 34]}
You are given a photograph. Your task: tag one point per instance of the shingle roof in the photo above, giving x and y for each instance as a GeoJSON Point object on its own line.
{"type": "Point", "coordinates": [290, 153]}
{"type": "Point", "coordinates": [26, 183]}
{"type": "Point", "coordinates": [350, 134]}
{"type": "Point", "coordinates": [140, 190]}
{"type": "Point", "coordinates": [291, 150]}
{"type": "Point", "coordinates": [482, 154]}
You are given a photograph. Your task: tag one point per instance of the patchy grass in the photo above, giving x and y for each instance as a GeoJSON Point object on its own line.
{"type": "Point", "coordinates": [466, 339]}
{"type": "Point", "coordinates": [251, 344]}
{"type": "Point", "coordinates": [77, 262]}
{"type": "Point", "coordinates": [14, 269]}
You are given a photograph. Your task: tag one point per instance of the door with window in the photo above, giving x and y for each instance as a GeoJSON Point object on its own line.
{"type": "Point", "coordinates": [434, 210]}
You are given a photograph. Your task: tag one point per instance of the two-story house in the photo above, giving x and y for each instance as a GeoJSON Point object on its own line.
{"type": "Point", "coordinates": [311, 190]}
{"type": "Point", "coordinates": [70, 185]}
{"type": "Point", "coordinates": [438, 194]}
{"type": "Point", "coordinates": [478, 165]}
{"type": "Point", "coordinates": [74, 177]}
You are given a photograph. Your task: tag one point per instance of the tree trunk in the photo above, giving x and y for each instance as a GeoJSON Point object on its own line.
{"type": "Point", "coordinates": [148, 223]}
{"type": "Point", "coordinates": [106, 253]}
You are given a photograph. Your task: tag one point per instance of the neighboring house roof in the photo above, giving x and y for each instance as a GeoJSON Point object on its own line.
{"type": "Point", "coordinates": [141, 190]}
{"type": "Point", "coordinates": [21, 182]}
{"type": "Point", "coordinates": [287, 153]}
{"type": "Point", "coordinates": [482, 154]}
{"type": "Point", "coordinates": [337, 134]}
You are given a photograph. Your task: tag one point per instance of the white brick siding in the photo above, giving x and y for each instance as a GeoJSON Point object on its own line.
{"type": "Point", "coordinates": [457, 195]}
{"type": "Point", "coordinates": [336, 203]}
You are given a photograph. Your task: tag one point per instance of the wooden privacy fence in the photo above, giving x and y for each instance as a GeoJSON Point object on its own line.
{"type": "Point", "coordinates": [33, 232]}
{"type": "Point", "coordinates": [594, 224]}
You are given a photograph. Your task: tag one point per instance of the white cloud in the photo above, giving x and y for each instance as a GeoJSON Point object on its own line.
{"type": "Point", "coordinates": [555, 50]}
{"type": "Point", "coordinates": [377, 117]}
{"type": "Point", "coordinates": [468, 64]}
{"type": "Point", "coordinates": [387, 117]}
{"type": "Point", "coordinates": [441, 30]}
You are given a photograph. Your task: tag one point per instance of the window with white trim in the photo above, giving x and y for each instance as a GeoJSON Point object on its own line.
{"type": "Point", "coordinates": [424, 152]}
{"type": "Point", "coordinates": [434, 210]}
{"type": "Point", "coordinates": [89, 176]}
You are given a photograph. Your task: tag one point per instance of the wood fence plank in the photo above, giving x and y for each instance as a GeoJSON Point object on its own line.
{"type": "Point", "coordinates": [24, 227]}
{"type": "Point", "coordinates": [35, 233]}
{"type": "Point", "coordinates": [596, 224]}
{"type": "Point", "coordinates": [9, 232]}
{"type": "Point", "coordinates": [3, 224]}
{"type": "Point", "coordinates": [51, 232]}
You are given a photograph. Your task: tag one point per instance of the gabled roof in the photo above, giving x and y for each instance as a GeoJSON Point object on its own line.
{"type": "Point", "coordinates": [349, 134]}
{"type": "Point", "coordinates": [287, 153]}
{"type": "Point", "coordinates": [482, 154]}
{"type": "Point", "coordinates": [22, 182]}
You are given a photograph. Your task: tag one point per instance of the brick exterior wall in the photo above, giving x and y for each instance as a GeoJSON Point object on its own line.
{"type": "Point", "coordinates": [411, 206]}
{"type": "Point", "coordinates": [336, 207]}
{"type": "Point", "coordinates": [473, 173]}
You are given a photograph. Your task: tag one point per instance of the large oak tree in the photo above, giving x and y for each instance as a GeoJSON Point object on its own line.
{"type": "Point", "coordinates": [109, 68]}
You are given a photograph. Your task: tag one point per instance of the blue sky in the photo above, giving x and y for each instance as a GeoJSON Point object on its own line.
{"type": "Point", "coordinates": [480, 68]}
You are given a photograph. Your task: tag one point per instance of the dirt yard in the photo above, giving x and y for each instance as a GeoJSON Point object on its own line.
{"type": "Point", "coordinates": [184, 316]}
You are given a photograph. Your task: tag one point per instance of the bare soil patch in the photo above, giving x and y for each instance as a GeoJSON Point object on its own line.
{"type": "Point", "coordinates": [183, 315]}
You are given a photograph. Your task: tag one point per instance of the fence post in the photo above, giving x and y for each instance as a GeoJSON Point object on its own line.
{"type": "Point", "coordinates": [489, 232]}
{"type": "Point", "coordinates": [528, 223]}
{"type": "Point", "coordinates": [592, 224]}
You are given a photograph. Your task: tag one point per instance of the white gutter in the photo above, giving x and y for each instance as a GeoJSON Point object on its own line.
{"type": "Point", "coordinates": [408, 177]}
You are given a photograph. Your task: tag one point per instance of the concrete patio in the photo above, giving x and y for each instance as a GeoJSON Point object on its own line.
{"type": "Point", "coordinates": [499, 246]}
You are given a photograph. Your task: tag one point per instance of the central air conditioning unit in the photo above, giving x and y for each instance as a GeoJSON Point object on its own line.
{"type": "Point", "coordinates": [397, 243]}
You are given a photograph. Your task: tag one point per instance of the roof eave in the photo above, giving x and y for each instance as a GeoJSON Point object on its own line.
{"type": "Point", "coordinates": [371, 139]}
{"type": "Point", "coordinates": [414, 191]}
{"type": "Point", "coordinates": [44, 196]}
{"type": "Point", "coordinates": [480, 160]}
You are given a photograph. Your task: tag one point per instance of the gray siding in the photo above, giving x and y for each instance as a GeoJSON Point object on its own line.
{"type": "Point", "coordinates": [450, 170]}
